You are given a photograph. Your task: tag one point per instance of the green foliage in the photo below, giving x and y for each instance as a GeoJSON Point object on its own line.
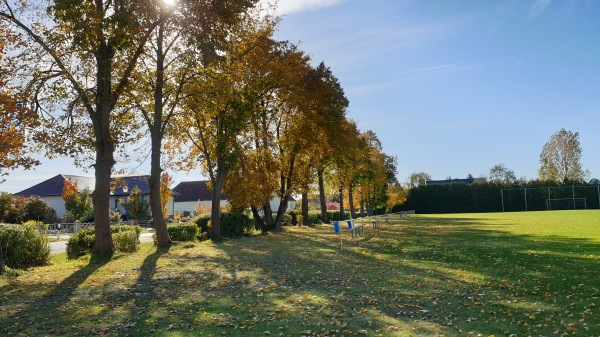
{"type": "Point", "coordinates": [187, 231]}
{"type": "Point", "coordinates": [235, 224]}
{"type": "Point", "coordinates": [24, 245]}
{"type": "Point", "coordinates": [560, 159]}
{"type": "Point", "coordinates": [202, 223]}
{"type": "Point", "coordinates": [483, 198]}
{"type": "Point", "coordinates": [314, 217]}
{"type": "Point", "coordinates": [125, 239]}
{"type": "Point", "coordinates": [115, 217]}
{"type": "Point", "coordinates": [12, 208]}
{"type": "Point", "coordinates": [136, 206]}
{"type": "Point", "coordinates": [39, 210]}
{"type": "Point", "coordinates": [80, 206]}
{"type": "Point", "coordinates": [80, 243]}
{"type": "Point", "coordinates": [335, 215]}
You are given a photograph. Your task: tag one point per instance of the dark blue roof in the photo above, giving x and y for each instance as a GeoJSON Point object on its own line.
{"type": "Point", "coordinates": [193, 191]}
{"type": "Point", "coordinates": [119, 184]}
{"type": "Point", "coordinates": [467, 181]}
{"type": "Point", "coordinates": [54, 186]}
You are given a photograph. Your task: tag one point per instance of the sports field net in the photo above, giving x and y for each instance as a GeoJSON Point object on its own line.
{"type": "Point", "coordinates": [550, 198]}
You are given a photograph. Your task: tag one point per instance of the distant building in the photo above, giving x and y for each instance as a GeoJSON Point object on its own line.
{"type": "Point", "coordinates": [468, 181]}
{"type": "Point", "coordinates": [51, 190]}
{"type": "Point", "coordinates": [190, 195]}
{"type": "Point", "coordinates": [195, 195]}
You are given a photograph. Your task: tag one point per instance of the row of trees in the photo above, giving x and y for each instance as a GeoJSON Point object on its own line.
{"type": "Point", "coordinates": [213, 88]}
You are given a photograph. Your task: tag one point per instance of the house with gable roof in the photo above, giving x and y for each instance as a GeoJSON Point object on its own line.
{"type": "Point", "coordinates": [51, 190]}
{"type": "Point", "coordinates": [193, 195]}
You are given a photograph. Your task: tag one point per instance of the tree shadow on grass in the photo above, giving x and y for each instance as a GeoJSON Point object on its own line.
{"type": "Point", "coordinates": [32, 319]}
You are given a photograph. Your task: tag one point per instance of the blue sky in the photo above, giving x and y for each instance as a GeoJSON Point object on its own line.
{"type": "Point", "coordinates": [450, 87]}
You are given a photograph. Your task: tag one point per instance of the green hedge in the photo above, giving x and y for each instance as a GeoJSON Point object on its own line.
{"type": "Point", "coordinates": [235, 224]}
{"type": "Point", "coordinates": [187, 231]}
{"type": "Point", "coordinates": [481, 198]}
{"type": "Point", "coordinates": [126, 239]}
{"type": "Point", "coordinates": [202, 223]}
{"type": "Point", "coordinates": [24, 246]}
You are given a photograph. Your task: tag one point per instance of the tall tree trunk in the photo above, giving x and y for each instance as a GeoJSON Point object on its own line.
{"type": "Point", "coordinates": [362, 208]}
{"type": "Point", "coordinates": [268, 216]}
{"type": "Point", "coordinates": [215, 214]}
{"type": "Point", "coordinates": [281, 211]}
{"type": "Point", "coordinates": [105, 149]}
{"type": "Point", "coordinates": [158, 218]}
{"type": "Point", "coordinates": [351, 201]}
{"type": "Point", "coordinates": [103, 242]}
{"type": "Point", "coordinates": [305, 217]}
{"type": "Point", "coordinates": [322, 200]}
{"type": "Point", "coordinates": [342, 215]}
{"type": "Point", "coordinates": [258, 221]}
{"type": "Point", "coordinates": [2, 270]}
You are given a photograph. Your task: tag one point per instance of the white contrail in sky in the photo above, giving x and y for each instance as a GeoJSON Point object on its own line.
{"type": "Point", "coordinates": [429, 68]}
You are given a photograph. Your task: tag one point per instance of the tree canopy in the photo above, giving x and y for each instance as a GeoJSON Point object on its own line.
{"type": "Point", "coordinates": [560, 159]}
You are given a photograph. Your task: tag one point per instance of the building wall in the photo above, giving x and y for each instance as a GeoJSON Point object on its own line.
{"type": "Point", "coordinates": [276, 201]}
{"type": "Point", "coordinates": [191, 206]}
{"type": "Point", "coordinates": [57, 203]}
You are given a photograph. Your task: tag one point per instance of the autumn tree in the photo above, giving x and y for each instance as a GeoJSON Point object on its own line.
{"type": "Point", "coordinates": [136, 206]}
{"type": "Point", "coordinates": [17, 120]}
{"type": "Point", "coordinates": [500, 174]}
{"type": "Point", "coordinates": [221, 99]}
{"type": "Point", "coordinates": [80, 57]}
{"type": "Point", "coordinates": [560, 159]}
{"type": "Point", "coordinates": [165, 192]}
{"type": "Point", "coordinates": [77, 203]}
{"type": "Point", "coordinates": [188, 34]}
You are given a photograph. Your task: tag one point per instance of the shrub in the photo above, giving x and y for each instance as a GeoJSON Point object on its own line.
{"type": "Point", "coordinates": [124, 237]}
{"type": "Point", "coordinates": [80, 243]}
{"type": "Point", "coordinates": [127, 228]}
{"type": "Point", "coordinates": [24, 246]}
{"type": "Point", "coordinates": [80, 205]}
{"type": "Point", "coordinates": [286, 220]}
{"type": "Point", "coordinates": [234, 224]}
{"type": "Point", "coordinates": [314, 217]}
{"type": "Point", "coordinates": [187, 231]}
{"type": "Point", "coordinates": [16, 211]}
{"type": "Point", "coordinates": [202, 223]}
{"type": "Point", "coordinates": [115, 217]}
{"type": "Point", "coordinates": [38, 209]}
{"type": "Point", "coordinates": [126, 241]}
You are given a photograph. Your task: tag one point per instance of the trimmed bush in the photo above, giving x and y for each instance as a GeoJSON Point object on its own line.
{"type": "Point", "coordinates": [187, 231]}
{"type": "Point", "coordinates": [23, 246]}
{"type": "Point", "coordinates": [124, 237]}
{"type": "Point", "coordinates": [127, 228]}
{"type": "Point", "coordinates": [126, 241]}
{"type": "Point", "coordinates": [202, 223]}
{"type": "Point", "coordinates": [314, 217]}
{"type": "Point", "coordinates": [234, 224]}
{"type": "Point", "coordinates": [80, 243]}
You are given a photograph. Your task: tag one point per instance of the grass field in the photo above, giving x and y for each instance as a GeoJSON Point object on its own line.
{"type": "Point", "coordinates": [503, 274]}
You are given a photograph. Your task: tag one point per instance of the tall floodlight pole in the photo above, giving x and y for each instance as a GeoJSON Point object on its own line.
{"type": "Point", "coordinates": [502, 194]}
{"type": "Point", "coordinates": [525, 189]}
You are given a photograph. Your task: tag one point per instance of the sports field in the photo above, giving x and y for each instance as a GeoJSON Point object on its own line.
{"type": "Point", "coordinates": [501, 274]}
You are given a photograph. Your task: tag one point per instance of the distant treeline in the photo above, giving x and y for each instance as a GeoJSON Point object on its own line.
{"type": "Point", "coordinates": [489, 197]}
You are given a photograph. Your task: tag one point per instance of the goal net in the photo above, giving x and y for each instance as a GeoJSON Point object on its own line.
{"type": "Point", "coordinates": [566, 203]}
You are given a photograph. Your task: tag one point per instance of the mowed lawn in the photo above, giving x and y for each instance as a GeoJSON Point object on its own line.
{"type": "Point", "coordinates": [501, 274]}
